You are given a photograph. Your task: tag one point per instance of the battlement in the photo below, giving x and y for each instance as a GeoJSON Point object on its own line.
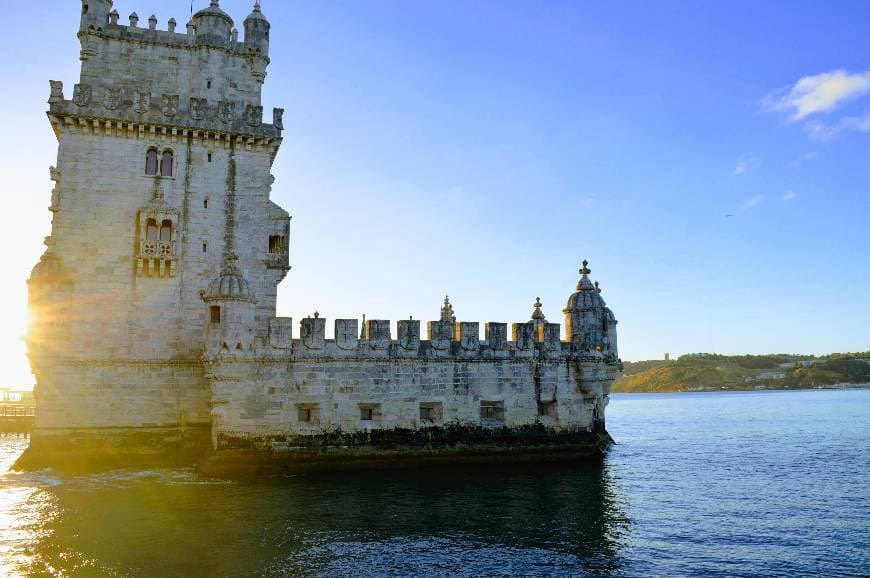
{"type": "Point", "coordinates": [445, 340]}
{"type": "Point", "coordinates": [185, 38]}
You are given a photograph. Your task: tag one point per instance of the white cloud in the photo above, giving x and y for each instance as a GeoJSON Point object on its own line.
{"type": "Point", "coordinates": [746, 163]}
{"type": "Point", "coordinates": [824, 130]}
{"type": "Point", "coordinates": [789, 195]}
{"type": "Point", "coordinates": [753, 201]}
{"type": "Point", "coordinates": [822, 92]}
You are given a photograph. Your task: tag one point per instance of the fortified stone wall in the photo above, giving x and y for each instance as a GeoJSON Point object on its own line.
{"type": "Point", "coordinates": [314, 386]}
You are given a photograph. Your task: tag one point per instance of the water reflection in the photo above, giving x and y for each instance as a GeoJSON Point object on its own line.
{"type": "Point", "coordinates": [506, 520]}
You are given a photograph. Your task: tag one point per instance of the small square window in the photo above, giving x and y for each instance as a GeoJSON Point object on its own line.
{"type": "Point", "coordinates": [307, 413]}
{"type": "Point", "coordinates": [366, 413]}
{"type": "Point", "coordinates": [430, 413]}
{"type": "Point", "coordinates": [492, 411]}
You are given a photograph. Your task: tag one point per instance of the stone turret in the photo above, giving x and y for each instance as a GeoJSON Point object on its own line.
{"type": "Point", "coordinates": [257, 42]}
{"type": "Point", "coordinates": [213, 26]}
{"type": "Point", "coordinates": [257, 32]}
{"type": "Point", "coordinates": [589, 325]}
{"type": "Point", "coordinates": [95, 15]}
{"type": "Point", "coordinates": [231, 312]}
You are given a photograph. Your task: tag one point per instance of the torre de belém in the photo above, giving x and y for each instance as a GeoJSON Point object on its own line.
{"type": "Point", "coordinates": [154, 336]}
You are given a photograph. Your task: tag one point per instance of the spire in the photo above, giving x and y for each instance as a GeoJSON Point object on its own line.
{"type": "Point", "coordinates": [447, 311]}
{"type": "Point", "coordinates": [537, 314]}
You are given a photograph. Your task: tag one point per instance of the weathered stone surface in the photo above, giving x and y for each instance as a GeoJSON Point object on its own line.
{"type": "Point", "coordinates": [154, 305]}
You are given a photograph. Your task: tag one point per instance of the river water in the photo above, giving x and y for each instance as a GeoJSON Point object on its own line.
{"type": "Point", "coordinates": [713, 484]}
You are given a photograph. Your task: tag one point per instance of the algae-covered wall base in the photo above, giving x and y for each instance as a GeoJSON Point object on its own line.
{"type": "Point", "coordinates": [398, 448]}
{"type": "Point", "coordinates": [97, 449]}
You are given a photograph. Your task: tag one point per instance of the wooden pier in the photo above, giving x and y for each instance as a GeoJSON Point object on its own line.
{"type": "Point", "coordinates": [16, 418]}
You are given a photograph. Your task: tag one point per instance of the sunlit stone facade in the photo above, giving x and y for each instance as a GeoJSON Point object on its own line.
{"type": "Point", "coordinates": [154, 305]}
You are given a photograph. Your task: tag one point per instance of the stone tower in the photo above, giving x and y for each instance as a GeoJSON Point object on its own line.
{"type": "Point", "coordinates": [161, 201]}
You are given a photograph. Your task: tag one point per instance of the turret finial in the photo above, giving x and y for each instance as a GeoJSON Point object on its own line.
{"type": "Point", "coordinates": [585, 270]}
{"type": "Point", "coordinates": [447, 311]}
{"type": "Point", "coordinates": [537, 314]}
{"type": "Point", "coordinates": [597, 288]}
{"type": "Point", "coordinates": [215, 3]}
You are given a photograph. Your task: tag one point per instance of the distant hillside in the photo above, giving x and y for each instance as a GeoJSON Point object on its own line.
{"type": "Point", "coordinates": [704, 371]}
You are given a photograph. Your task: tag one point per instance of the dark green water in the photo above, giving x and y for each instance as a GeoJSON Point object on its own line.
{"type": "Point", "coordinates": [768, 483]}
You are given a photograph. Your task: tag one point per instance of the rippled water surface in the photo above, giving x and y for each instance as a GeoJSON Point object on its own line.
{"type": "Point", "coordinates": [730, 484]}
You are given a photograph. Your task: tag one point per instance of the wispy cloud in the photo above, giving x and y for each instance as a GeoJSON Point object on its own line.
{"type": "Point", "coordinates": [789, 195]}
{"type": "Point", "coordinates": [804, 158]}
{"type": "Point", "coordinates": [828, 130]}
{"type": "Point", "coordinates": [746, 163]}
{"type": "Point", "coordinates": [821, 93]}
{"type": "Point", "coordinates": [752, 202]}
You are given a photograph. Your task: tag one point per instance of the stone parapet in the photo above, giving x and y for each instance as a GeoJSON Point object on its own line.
{"type": "Point", "coordinates": [137, 109]}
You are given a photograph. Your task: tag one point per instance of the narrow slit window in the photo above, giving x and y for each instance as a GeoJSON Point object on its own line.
{"type": "Point", "coordinates": [151, 230]}
{"type": "Point", "coordinates": [166, 231]}
{"type": "Point", "coordinates": [209, 157]}
{"type": "Point", "coordinates": [166, 164]}
{"type": "Point", "coordinates": [151, 163]}
{"type": "Point", "coordinates": [204, 247]}
{"type": "Point", "coordinates": [205, 203]}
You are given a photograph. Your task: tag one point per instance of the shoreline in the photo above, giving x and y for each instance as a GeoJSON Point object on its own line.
{"type": "Point", "coordinates": [753, 389]}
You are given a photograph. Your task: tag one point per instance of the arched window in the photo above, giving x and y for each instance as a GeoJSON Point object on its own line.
{"type": "Point", "coordinates": [151, 163]}
{"type": "Point", "coordinates": [151, 230]}
{"type": "Point", "coordinates": [166, 231]}
{"type": "Point", "coordinates": [166, 165]}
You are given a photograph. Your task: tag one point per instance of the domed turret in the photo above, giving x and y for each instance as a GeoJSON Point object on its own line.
{"type": "Point", "coordinates": [213, 26]}
{"type": "Point", "coordinates": [257, 32]}
{"type": "Point", "coordinates": [231, 311]}
{"type": "Point", "coordinates": [589, 324]}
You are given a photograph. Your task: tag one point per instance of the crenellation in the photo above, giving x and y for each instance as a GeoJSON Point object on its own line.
{"type": "Point", "coordinates": [157, 290]}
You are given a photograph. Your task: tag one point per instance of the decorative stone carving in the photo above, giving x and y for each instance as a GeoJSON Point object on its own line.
{"type": "Point", "coordinates": [197, 108]}
{"type": "Point", "coordinates": [313, 330]}
{"type": "Point", "coordinates": [280, 332]}
{"type": "Point", "coordinates": [524, 336]}
{"type": "Point", "coordinates": [56, 91]}
{"type": "Point", "coordinates": [468, 335]}
{"type": "Point", "coordinates": [112, 97]}
{"type": "Point", "coordinates": [440, 334]}
{"type": "Point", "coordinates": [226, 111]}
{"type": "Point", "coordinates": [169, 104]}
{"type": "Point", "coordinates": [378, 333]}
{"type": "Point", "coordinates": [82, 94]}
{"type": "Point", "coordinates": [346, 333]}
{"type": "Point", "coordinates": [278, 118]}
{"type": "Point", "coordinates": [254, 115]}
{"type": "Point", "coordinates": [143, 101]}
{"type": "Point", "coordinates": [496, 336]}
{"type": "Point", "coordinates": [409, 334]}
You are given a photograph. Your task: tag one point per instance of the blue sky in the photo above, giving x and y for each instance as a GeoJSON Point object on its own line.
{"type": "Point", "coordinates": [710, 159]}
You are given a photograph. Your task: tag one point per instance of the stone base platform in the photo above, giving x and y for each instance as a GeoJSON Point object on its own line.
{"type": "Point", "coordinates": [86, 450]}
{"type": "Point", "coordinates": [403, 449]}
{"type": "Point", "coordinates": [124, 448]}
